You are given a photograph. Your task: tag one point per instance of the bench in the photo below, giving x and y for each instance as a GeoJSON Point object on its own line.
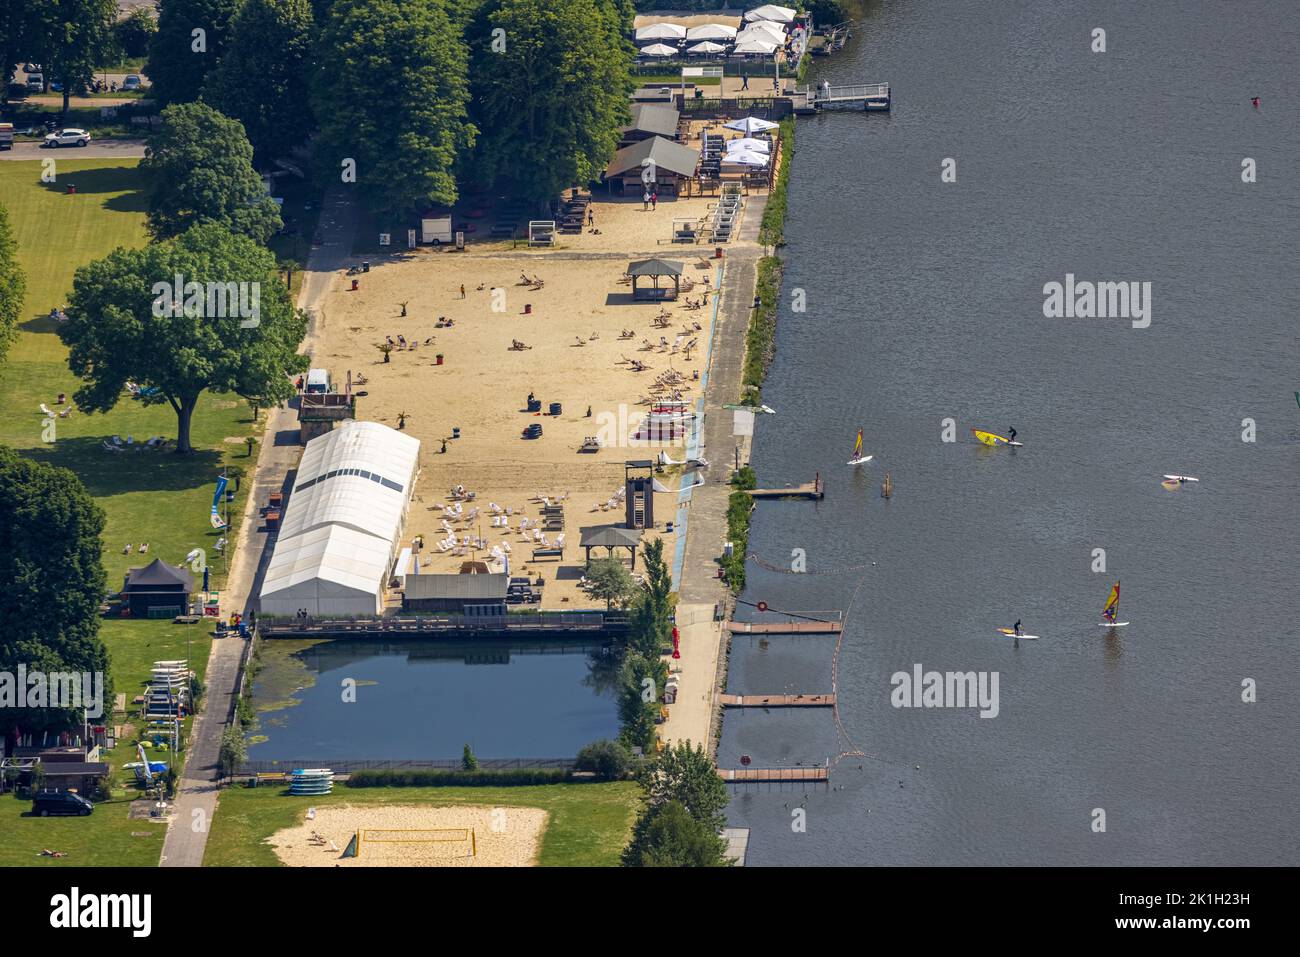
{"type": "Point", "coordinates": [547, 553]}
{"type": "Point", "coordinates": [269, 777]}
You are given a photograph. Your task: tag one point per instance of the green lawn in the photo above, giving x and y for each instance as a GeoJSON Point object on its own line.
{"type": "Point", "coordinates": [160, 498]}
{"type": "Point", "coordinates": [105, 839]}
{"type": "Point", "coordinates": [589, 823]}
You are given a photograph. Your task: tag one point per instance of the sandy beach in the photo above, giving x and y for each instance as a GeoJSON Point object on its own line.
{"type": "Point", "coordinates": [576, 339]}
{"type": "Point", "coordinates": [501, 837]}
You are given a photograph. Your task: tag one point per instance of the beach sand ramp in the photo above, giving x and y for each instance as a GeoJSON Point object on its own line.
{"type": "Point", "coordinates": [413, 836]}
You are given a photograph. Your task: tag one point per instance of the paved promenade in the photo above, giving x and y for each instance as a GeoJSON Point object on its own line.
{"type": "Point", "coordinates": [196, 798]}
{"type": "Point", "coordinates": [700, 591]}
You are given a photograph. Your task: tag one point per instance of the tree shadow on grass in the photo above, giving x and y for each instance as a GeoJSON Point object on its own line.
{"type": "Point", "coordinates": [126, 180]}
{"type": "Point", "coordinates": [107, 473]}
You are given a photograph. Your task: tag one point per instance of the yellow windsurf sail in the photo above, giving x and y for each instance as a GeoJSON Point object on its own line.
{"type": "Point", "coordinates": [857, 446]}
{"type": "Point", "coordinates": [1111, 611]}
{"type": "Point", "coordinates": [989, 438]}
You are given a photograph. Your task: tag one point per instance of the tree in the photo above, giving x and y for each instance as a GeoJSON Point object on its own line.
{"type": "Point", "coordinates": [651, 620]}
{"type": "Point", "coordinates": [191, 37]}
{"type": "Point", "coordinates": [392, 97]}
{"type": "Point", "coordinates": [125, 324]}
{"type": "Point", "coordinates": [13, 285]}
{"type": "Point", "coordinates": [467, 760]}
{"type": "Point", "coordinates": [20, 36]}
{"type": "Point", "coordinates": [550, 104]}
{"type": "Point", "coordinates": [609, 579]}
{"type": "Point", "coordinates": [200, 170]}
{"type": "Point", "coordinates": [78, 35]}
{"type": "Point", "coordinates": [642, 682]}
{"type": "Point", "coordinates": [134, 33]}
{"type": "Point", "coordinates": [54, 582]}
{"type": "Point", "coordinates": [263, 78]}
{"type": "Point", "coordinates": [667, 836]}
{"type": "Point", "coordinates": [234, 750]}
{"type": "Point", "coordinates": [685, 774]}
{"type": "Point", "coordinates": [608, 759]}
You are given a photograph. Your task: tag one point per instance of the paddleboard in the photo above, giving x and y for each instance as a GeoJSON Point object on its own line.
{"type": "Point", "coordinates": [860, 460]}
{"type": "Point", "coordinates": [1111, 624]}
{"type": "Point", "coordinates": [1010, 633]}
{"type": "Point", "coordinates": [1181, 478]}
{"type": "Point", "coordinates": [993, 440]}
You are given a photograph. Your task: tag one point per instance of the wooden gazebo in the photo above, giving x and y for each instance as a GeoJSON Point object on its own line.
{"type": "Point", "coordinates": [655, 268]}
{"type": "Point", "coordinates": [610, 537]}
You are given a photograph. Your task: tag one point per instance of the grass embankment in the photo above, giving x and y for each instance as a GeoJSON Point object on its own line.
{"type": "Point", "coordinates": [588, 827]}
{"type": "Point", "coordinates": [760, 345]}
{"type": "Point", "coordinates": [160, 498]}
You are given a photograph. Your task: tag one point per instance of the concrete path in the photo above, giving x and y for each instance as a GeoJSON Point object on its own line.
{"type": "Point", "coordinates": [98, 149]}
{"type": "Point", "coordinates": [196, 799]}
{"type": "Point", "coordinates": [701, 680]}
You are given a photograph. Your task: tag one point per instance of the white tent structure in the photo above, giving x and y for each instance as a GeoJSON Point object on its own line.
{"type": "Point", "coordinates": [706, 46]}
{"type": "Point", "coordinates": [756, 45]}
{"type": "Point", "coordinates": [711, 31]}
{"type": "Point", "coordinates": [751, 124]}
{"type": "Point", "coordinates": [770, 12]}
{"type": "Point", "coordinates": [745, 158]}
{"type": "Point", "coordinates": [762, 31]}
{"type": "Point", "coordinates": [658, 49]}
{"type": "Point", "coordinates": [661, 31]}
{"type": "Point", "coordinates": [342, 524]}
{"type": "Point", "coordinates": [748, 143]}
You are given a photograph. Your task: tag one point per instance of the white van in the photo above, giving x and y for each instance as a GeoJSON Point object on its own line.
{"type": "Point", "coordinates": [318, 380]}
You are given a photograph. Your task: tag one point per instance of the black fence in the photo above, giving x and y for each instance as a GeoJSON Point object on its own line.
{"type": "Point", "coordinates": [450, 764]}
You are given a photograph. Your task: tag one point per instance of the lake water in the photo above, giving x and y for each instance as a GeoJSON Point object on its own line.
{"type": "Point", "coordinates": [424, 700]}
{"type": "Point", "coordinates": [925, 302]}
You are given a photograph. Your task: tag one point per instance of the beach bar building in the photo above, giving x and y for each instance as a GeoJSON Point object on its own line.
{"type": "Point", "coordinates": [465, 594]}
{"type": "Point", "coordinates": [343, 522]}
{"type": "Point", "coordinates": [674, 165]}
{"type": "Point", "coordinates": [650, 119]}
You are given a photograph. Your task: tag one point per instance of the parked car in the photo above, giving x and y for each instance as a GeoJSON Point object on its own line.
{"type": "Point", "coordinates": [68, 137]}
{"type": "Point", "coordinates": [46, 803]}
{"type": "Point", "coordinates": [31, 68]}
{"type": "Point", "coordinates": [132, 82]}
{"type": "Point", "coordinates": [35, 83]}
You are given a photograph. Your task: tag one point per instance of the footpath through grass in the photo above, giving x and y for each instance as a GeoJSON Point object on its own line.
{"type": "Point", "coordinates": [589, 824]}
{"type": "Point", "coordinates": [156, 497]}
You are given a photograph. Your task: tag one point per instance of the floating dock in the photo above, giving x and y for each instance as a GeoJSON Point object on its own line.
{"type": "Point", "coordinates": [871, 97]}
{"type": "Point", "coordinates": [777, 700]}
{"type": "Point", "coordinates": [772, 775]}
{"type": "Point", "coordinates": [785, 627]}
{"type": "Point", "coordinates": [809, 490]}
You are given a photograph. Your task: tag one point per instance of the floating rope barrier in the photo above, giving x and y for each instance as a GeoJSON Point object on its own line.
{"type": "Point", "coordinates": [768, 566]}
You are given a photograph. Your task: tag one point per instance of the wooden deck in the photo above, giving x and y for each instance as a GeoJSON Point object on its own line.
{"type": "Point", "coordinates": [809, 490]}
{"type": "Point", "coordinates": [777, 700]}
{"type": "Point", "coordinates": [859, 96]}
{"type": "Point", "coordinates": [784, 627]}
{"type": "Point", "coordinates": [772, 775]}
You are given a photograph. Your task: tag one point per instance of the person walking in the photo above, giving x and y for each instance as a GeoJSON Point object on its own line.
{"type": "Point", "coordinates": [654, 200]}
{"type": "Point", "coordinates": [744, 82]}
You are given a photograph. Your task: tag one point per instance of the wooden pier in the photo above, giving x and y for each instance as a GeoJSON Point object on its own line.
{"type": "Point", "coordinates": [872, 97]}
{"type": "Point", "coordinates": [777, 700]}
{"type": "Point", "coordinates": [810, 490]}
{"type": "Point", "coordinates": [772, 775]}
{"type": "Point", "coordinates": [826, 40]}
{"type": "Point", "coordinates": [784, 627]}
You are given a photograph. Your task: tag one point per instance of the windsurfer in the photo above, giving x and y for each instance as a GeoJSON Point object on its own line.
{"type": "Point", "coordinates": [1011, 435]}
{"type": "Point", "coordinates": [1016, 628]}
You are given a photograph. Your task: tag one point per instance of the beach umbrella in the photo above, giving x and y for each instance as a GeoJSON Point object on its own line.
{"type": "Point", "coordinates": [762, 31]}
{"type": "Point", "coordinates": [751, 124]}
{"type": "Point", "coordinates": [707, 46]}
{"type": "Point", "coordinates": [770, 12]}
{"type": "Point", "coordinates": [756, 45]}
{"type": "Point", "coordinates": [746, 158]}
{"type": "Point", "coordinates": [711, 31]}
{"type": "Point", "coordinates": [661, 31]}
{"type": "Point", "coordinates": [748, 143]}
{"type": "Point", "coordinates": [658, 49]}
